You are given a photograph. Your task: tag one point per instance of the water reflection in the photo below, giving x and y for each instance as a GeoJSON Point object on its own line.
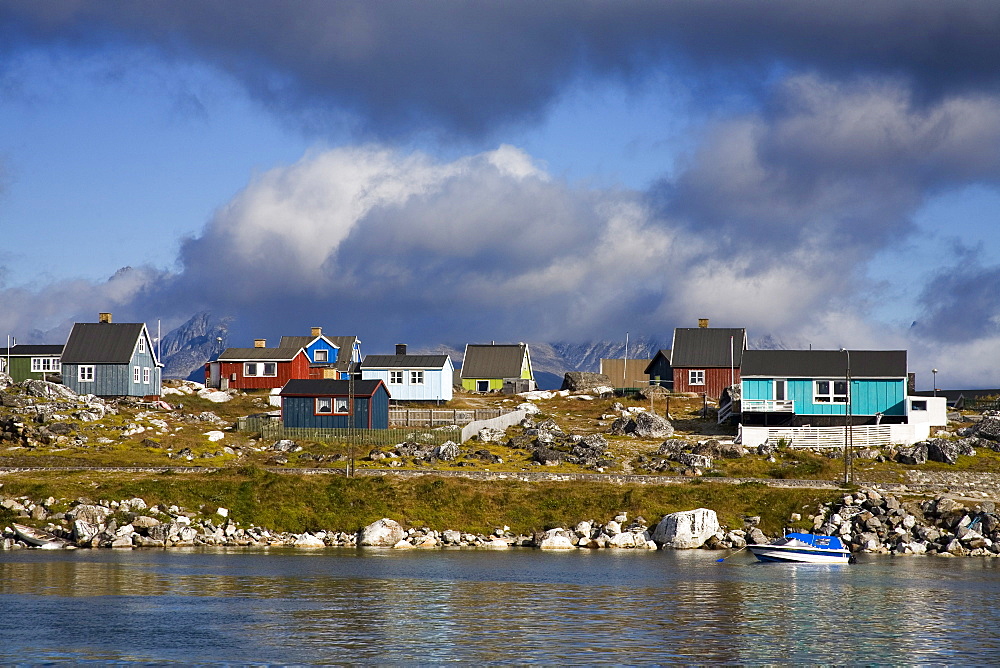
{"type": "Point", "coordinates": [518, 606]}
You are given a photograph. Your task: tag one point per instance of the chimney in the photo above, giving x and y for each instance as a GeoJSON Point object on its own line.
{"type": "Point", "coordinates": [104, 317]}
{"type": "Point", "coordinates": [400, 348]}
{"type": "Point", "coordinates": [317, 331]}
{"type": "Point", "coordinates": [260, 343]}
{"type": "Point", "coordinates": [703, 322]}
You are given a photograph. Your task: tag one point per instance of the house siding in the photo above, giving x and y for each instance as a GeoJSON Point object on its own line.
{"type": "Point", "coordinates": [320, 344]}
{"type": "Point", "coordinates": [716, 380]}
{"type": "Point", "coordinates": [369, 413]}
{"type": "Point", "coordinates": [296, 368]}
{"type": "Point", "coordinates": [868, 396]}
{"type": "Point", "coordinates": [20, 369]}
{"type": "Point", "coordinates": [437, 385]}
{"type": "Point", "coordinates": [470, 384]}
{"type": "Point", "coordinates": [660, 372]}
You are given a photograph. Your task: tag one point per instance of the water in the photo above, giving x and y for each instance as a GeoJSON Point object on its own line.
{"type": "Point", "coordinates": [389, 606]}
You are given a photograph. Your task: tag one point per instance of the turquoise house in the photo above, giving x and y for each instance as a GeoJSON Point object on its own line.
{"type": "Point", "coordinates": [816, 388]}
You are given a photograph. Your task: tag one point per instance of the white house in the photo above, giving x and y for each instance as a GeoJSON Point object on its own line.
{"type": "Point", "coordinates": [411, 377]}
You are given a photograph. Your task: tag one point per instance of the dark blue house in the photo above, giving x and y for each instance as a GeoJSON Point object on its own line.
{"type": "Point", "coordinates": [321, 403]}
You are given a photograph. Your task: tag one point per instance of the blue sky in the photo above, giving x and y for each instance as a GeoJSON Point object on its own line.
{"type": "Point", "coordinates": [443, 172]}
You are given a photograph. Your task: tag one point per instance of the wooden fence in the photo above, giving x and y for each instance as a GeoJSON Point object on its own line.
{"type": "Point", "coordinates": [831, 437]}
{"type": "Point", "coordinates": [273, 429]}
{"type": "Point", "coordinates": [430, 417]}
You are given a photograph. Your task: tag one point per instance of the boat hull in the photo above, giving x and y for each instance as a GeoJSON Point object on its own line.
{"type": "Point", "coordinates": [798, 555]}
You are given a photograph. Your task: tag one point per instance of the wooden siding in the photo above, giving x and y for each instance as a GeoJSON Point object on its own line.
{"type": "Point", "coordinates": [369, 413]}
{"type": "Point", "coordinates": [437, 385]}
{"type": "Point", "coordinates": [296, 368]}
{"type": "Point", "coordinates": [632, 374]}
{"type": "Point", "coordinates": [117, 380]}
{"type": "Point", "coordinates": [20, 369]}
{"type": "Point", "coordinates": [661, 367]}
{"type": "Point", "coordinates": [716, 380]}
{"type": "Point", "coordinates": [320, 344]}
{"type": "Point", "coordinates": [868, 396]}
{"type": "Point", "coordinates": [496, 384]}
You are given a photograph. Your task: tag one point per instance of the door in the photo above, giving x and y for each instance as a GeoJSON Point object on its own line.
{"type": "Point", "coordinates": [213, 375]}
{"type": "Point", "coordinates": [482, 386]}
{"type": "Point", "coordinates": [779, 390]}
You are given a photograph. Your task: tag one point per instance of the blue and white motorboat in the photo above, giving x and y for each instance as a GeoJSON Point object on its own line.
{"type": "Point", "coordinates": [803, 548]}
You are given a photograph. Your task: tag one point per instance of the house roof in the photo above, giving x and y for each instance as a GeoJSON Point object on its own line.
{"type": "Point", "coordinates": [707, 347]}
{"type": "Point", "coordinates": [823, 363]}
{"type": "Point", "coordinates": [258, 354]}
{"type": "Point", "coordinates": [404, 361]}
{"type": "Point", "coordinates": [328, 387]}
{"type": "Point", "coordinates": [102, 343]}
{"type": "Point", "coordinates": [344, 344]}
{"type": "Point", "coordinates": [661, 354]}
{"type": "Point", "coordinates": [27, 350]}
{"type": "Point", "coordinates": [493, 361]}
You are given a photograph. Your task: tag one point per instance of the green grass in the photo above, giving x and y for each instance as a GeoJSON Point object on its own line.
{"type": "Point", "coordinates": [308, 503]}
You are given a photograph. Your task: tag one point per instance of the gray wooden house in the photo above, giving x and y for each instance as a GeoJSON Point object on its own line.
{"type": "Point", "coordinates": [111, 360]}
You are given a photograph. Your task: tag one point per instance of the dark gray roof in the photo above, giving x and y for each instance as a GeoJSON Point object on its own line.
{"type": "Point", "coordinates": [329, 387]}
{"type": "Point", "coordinates": [707, 347]}
{"type": "Point", "coordinates": [665, 354]}
{"type": "Point", "coordinates": [256, 354]}
{"type": "Point", "coordinates": [28, 350]}
{"type": "Point", "coordinates": [823, 363]}
{"type": "Point", "coordinates": [102, 342]}
{"type": "Point", "coordinates": [493, 361]}
{"type": "Point", "coordinates": [404, 361]}
{"type": "Point", "coordinates": [345, 345]}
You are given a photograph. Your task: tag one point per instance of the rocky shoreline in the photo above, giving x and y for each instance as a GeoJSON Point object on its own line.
{"type": "Point", "coordinates": [868, 521]}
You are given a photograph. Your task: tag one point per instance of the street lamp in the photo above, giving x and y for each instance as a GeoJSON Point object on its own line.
{"type": "Point", "coordinates": [848, 426]}
{"type": "Point", "coordinates": [934, 373]}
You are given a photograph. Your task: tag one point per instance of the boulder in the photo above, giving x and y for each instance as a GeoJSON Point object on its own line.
{"type": "Point", "coordinates": [381, 533]}
{"type": "Point", "coordinates": [308, 540]}
{"type": "Point", "coordinates": [941, 450]}
{"type": "Point", "coordinates": [555, 539]}
{"type": "Point", "coordinates": [89, 513]}
{"type": "Point", "coordinates": [491, 435]}
{"type": "Point", "coordinates": [447, 451]}
{"type": "Point", "coordinates": [648, 425]}
{"type": "Point", "coordinates": [43, 388]}
{"type": "Point", "coordinates": [576, 381]}
{"type": "Point", "coordinates": [686, 529]}
{"type": "Point", "coordinates": [914, 455]}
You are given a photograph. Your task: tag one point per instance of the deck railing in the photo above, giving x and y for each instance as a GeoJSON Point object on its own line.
{"type": "Point", "coordinates": [768, 406]}
{"type": "Point", "coordinates": [431, 417]}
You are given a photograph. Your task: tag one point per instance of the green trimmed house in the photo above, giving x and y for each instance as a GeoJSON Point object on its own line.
{"type": "Point", "coordinates": [24, 362]}
{"type": "Point", "coordinates": [496, 368]}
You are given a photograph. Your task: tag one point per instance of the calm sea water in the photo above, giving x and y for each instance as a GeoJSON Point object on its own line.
{"type": "Point", "coordinates": [525, 606]}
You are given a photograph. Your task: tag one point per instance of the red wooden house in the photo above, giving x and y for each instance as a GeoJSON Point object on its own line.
{"type": "Point", "coordinates": [257, 368]}
{"type": "Point", "coordinates": [706, 360]}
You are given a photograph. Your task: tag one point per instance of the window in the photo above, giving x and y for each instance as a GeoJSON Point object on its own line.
{"type": "Point", "coordinates": [85, 373]}
{"type": "Point", "coordinates": [830, 391]}
{"type": "Point", "coordinates": [135, 374]}
{"type": "Point", "coordinates": [779, 390]}
{"type": "Point", "coordinates": [918, 405]}
{"type": "Point", "coordinates": [340, 405]}
{"type": "Point", "coordinates": [270, 369]}
{"type": "Point", "coordinates": [324, 405]}
{"type": "Point", "coordinates": [250, 369]}
{"type": "Point", "coordinates": [396, 377]}
{"type": "Point", "coordinates": [43, 364]}
{"type": "Point", "coordinates": [482, 386]}
{"type": "Point", "coordinates": [322, 355]}
{"type": "Point", "coordinates": [696, 377]}
{"type": "Point", "coordinates": [142, 344]}
{"type": "Point", "coordinates": [416, 377]}
{"type": "Point", "coordinates": [145, 375]}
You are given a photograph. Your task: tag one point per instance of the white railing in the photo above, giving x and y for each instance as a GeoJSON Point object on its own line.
{"type": "Point", "coordinates": [768, 406]}
{"type": "Point", "coordinates": [821, 437]}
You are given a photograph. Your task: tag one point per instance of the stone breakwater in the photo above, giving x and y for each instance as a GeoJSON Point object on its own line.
{"type": "Point", "coordinates": [868, 520]}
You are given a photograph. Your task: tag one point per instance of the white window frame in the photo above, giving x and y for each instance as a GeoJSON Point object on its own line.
{"type": "Point", "coordinates": [146, 375]}
{"type": "Point", "coordinates": [341, 406]}
{"type": "Point", "coordinates": [272, 372]}
{"type": "Point", "coordinates": [395, 377]}
{"type": "Point", "coordinates": [136, 374]}
{"type": "Point", "coordinates": [85, 373]}
{"type": "Point", "coordinates": [142, 344]}
{"type": "Point", "coordinates": [825, 391]}
{"type": "Point", "coordinates": [250, 369]}
{"type": "Point", "coordinates": [45, 365]}
{"type": "Point", "coordinates": [918, 405]}
{"type": "Point", "coordinates": [323, 406]}
{"type": "Point", "coordinates": [482, 386]}
{"type": "Point", "coordinates": [696, 376]}
{"type": "Point", "coordinates": [321, 352]}
{"type": "Point", "coordinates": [417, 377]}
{"type": "Point", "coordinates": [783, 384]}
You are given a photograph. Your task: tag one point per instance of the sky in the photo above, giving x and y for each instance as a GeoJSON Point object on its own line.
{"type": "Point", "coordinates": [823, 174]}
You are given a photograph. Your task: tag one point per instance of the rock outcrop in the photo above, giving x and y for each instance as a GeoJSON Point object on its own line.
{"type": "Point", "coordinates": [687, 529]}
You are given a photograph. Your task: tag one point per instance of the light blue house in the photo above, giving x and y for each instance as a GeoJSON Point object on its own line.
{"type": "Point", "coordinates": [111, 360]}
{"type": "Point", "coordinates": [816, 387]}
{"type": "Point", "coordinates": [412, 377]}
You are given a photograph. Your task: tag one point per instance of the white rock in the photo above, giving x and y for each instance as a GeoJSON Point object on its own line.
{"type": "Point", "coordinates": [222, 512]}
{"type": "Point", "coordinates": [216, 397]}
{"type": "Point", "coordinates": [624, 540]}
{"type": "Point", "coordinates": [612, 528]}
{"type": "Point", "coordinates": [308, 540]}
{"type": "Point", "coordinates": [215, 435]}
{"type": "Point", "coordinates": [402, 544]}
{"type": "Point", "coordinates": [381, 533]}
{"type": "Point", "coordinates": [556, 539]}
{"type": "Point", "coordinates": [687, 529]}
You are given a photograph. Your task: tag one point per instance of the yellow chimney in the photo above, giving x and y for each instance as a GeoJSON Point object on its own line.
{"type": "Point", "coordinates": [103, 317]}
{"type": "Point", "coordinates": [260, 343]}
{"type": "Point", "coordinates": [317, 331]}
{"type": "Point", "coordinates": [703, 322]}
